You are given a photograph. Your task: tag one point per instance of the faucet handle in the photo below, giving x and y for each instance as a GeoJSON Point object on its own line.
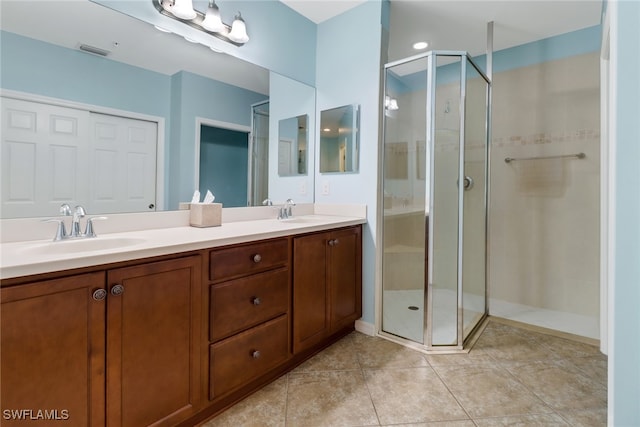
{"type": "Point", "coordinates": [267, 202]}
{"type": "Point", "coordinates": [65, 209]}
{"type": "Point", "coordinates": [89, 231]}
{"type": "Point", "coordinates": [61, 231]}
{"type": "Point", "coordinates": [79, 212]}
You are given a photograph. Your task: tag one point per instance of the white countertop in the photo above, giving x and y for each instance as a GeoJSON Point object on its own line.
{"type": "Point", "coordinates": [43, 256]}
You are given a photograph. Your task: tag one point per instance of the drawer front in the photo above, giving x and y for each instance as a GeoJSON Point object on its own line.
{"type": "Point", "coordinates": [246, 356]}
{"type": "Point", "coordinates": [239, 304]}
{"type": "Point", "coordinates": [247, 259]}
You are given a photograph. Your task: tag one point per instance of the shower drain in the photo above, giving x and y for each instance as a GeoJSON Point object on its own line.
{"type": "Point", "coordinates": [413, 307]}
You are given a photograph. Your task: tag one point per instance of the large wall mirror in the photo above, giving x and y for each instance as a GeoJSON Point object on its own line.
{"type": "Point", "coordinates": [292, 145]}
{"type": "Point", "coordinates": [339, 139]}
{"type": "Point", "coordinates": [178, 87]}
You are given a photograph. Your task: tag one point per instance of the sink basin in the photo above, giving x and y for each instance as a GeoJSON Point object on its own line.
{"type": "Point", "coordinates": [309, 219]}
{"type": "Point", "coordinates": [302, 220]}
{"type": "Point", "coordinates": [81, 245]}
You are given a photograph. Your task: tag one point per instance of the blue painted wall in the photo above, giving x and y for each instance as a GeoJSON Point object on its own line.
{"type": "Point", "coordinates": [348, 72]}
{"type": "Point", "coordinates": [223, 165]}
{"type": "Point", "coordinates": [626, 297]}
{"type": "Point", "coordinates": [33, 66]}
{"type": "Point", "coordinates": [290, 98]}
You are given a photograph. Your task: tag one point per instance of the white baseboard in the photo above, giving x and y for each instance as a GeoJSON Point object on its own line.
{"type": "Point", "coordinates": [365, 328]}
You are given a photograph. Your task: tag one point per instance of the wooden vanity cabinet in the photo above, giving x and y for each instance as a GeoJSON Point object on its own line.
{"type": "Point", "coordinates": [249, 304]}
{"type": "Point", "coordinates": [153, 351]}
{"type": "Point", "coordinates": [143, 342]}
{"type": "Point", "coordinates": [116, 347]}
{"type": "Point", "coordinates": [48, 329]}
{"type": "Point", "coordinates": [327, 284]}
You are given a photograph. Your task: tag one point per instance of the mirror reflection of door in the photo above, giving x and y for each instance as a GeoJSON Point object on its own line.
{"type": "Point", "coordinates": [258, 187]}
{"type": "Point", "coordinates": [284, 157]}
{"type": "Point", "coordinates": [292, 146]}
{"type": "Point", "coordinates": [224, 165]}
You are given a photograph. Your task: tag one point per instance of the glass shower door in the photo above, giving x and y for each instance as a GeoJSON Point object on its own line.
{"type": "Point", "coordinates": [435, 199]}
{"type": "Point", "coordinates": [444, 130]}
{"type": "Point", "coordinates": [475, 197]}
{"type": "Point", "coordinates": [405, 187]}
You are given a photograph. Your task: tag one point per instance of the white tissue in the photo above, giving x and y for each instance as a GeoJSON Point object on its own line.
{"type": "Point", "coordinates": [209, 197]}
{"type": "Point", "coordinates": [196, 197]}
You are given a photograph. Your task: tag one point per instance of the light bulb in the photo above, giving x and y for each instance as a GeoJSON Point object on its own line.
{"type": "Point", "coordinates": [212, 20]}
{"type": "Point", "coordinates": [183, 9]}
{"type": "Point", "coordinates": [238, 32]}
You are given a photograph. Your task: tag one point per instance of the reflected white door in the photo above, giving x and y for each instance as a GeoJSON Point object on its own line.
{"type": "Point", "coordinates": [53, 155]}
{"type": "Point", "coordinates": [44, 154]}
{"type": "Point", "coordinates": [284, 157]}
{"type": "Point", "coordinates": [123, 164]}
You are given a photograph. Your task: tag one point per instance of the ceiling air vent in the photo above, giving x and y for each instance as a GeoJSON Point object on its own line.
{"type": "Point", "coordinates": [94, 50]}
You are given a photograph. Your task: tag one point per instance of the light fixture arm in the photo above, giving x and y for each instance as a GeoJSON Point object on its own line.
{"type": "Point", "coordinates": [164, 8]}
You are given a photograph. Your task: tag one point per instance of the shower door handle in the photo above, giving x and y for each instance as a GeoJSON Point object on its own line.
{"type": "Point", "coordinates": [468, 183]}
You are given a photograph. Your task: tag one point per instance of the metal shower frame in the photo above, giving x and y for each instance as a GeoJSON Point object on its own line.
{"type": "Point", "coordinates": [465, 59]}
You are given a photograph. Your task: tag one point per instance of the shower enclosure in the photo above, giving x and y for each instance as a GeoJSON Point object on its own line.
{"type": "Point", "coordinates": [436, 132]}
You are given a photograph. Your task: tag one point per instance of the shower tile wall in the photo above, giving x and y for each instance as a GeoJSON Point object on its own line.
{"type": "Point", "coordinates": [544, 219]}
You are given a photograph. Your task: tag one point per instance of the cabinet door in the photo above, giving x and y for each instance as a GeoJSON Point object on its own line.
{"type": "Point", "coordinates": [52, 352]}
{"type": "Point", "coordinates": [153, 335]}
{"type": "Point", "coordinates": [345, 278]}
{"type": "Point", "coordinates": [310, 295]}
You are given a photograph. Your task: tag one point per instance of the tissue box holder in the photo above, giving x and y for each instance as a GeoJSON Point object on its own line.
{"type": "Point", "coordinates": [205, 214]}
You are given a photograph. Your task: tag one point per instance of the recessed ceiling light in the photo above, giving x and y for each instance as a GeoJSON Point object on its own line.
{"type": "Point", "coordinates": [420, 45]}
{"type": "Point", "coordinates": [326, 130]}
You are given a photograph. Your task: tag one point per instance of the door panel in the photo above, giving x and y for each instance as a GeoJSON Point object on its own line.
{"type": "Point", "coordinates": [48, 330]}
{"type": "Point", "coordinates": [44, 157]}
{"type": "Point", "coordinates": [123, 159]}
{"type": "Point", "coordinates": [152, 343]}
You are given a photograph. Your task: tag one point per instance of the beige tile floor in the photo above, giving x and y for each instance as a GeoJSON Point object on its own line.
{"type": "Point", "coordinates": [511, 377]}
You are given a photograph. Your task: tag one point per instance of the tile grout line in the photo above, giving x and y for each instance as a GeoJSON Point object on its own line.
{"type": "Point", "coordinates": [366, 384]}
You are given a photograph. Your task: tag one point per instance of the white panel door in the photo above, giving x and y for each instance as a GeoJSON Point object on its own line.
{"type": "Point", "coordinates": [45, 158]}
{"type": "Point", "coordinates": [123, 163]}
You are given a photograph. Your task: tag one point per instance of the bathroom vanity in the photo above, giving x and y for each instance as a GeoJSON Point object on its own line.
{"type": "Point", "coordinates": [159, 333]}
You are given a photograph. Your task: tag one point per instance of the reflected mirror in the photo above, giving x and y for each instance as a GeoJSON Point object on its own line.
{"type": "Point", "coordinates": [173, 87]}
{"type": "Point", "coordinates": [292, 146]}
{"type": "Point", "coordinates": [339, 139]}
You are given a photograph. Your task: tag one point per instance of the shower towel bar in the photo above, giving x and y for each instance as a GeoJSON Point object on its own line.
{"type": "Point", "coordinates": [577, 156]}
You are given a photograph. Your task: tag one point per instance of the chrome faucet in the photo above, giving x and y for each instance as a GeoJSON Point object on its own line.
{"type": "Point", "coordinates": [285, 210]}
{"type": "Point", "coordinates": [74, 233]}
{"type": "Point", "coordinates": [78, 213]}
{"type": "Point", "coordinates": [287, 205]}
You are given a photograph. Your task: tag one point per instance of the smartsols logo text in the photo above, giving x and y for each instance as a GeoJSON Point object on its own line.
{"type": "Point", "coordinates": [36, 414]}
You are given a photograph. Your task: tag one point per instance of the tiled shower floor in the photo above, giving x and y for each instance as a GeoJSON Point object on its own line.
{"type": "Point", "coordinates": [512, 376]}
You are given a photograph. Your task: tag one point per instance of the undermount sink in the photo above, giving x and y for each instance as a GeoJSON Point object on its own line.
{"type": "Point", "coordinates": [303, 220]}
{"type": "Point", "coordinates": [300, 220]}
{"type": "Point", "coordinates": [82, 245]}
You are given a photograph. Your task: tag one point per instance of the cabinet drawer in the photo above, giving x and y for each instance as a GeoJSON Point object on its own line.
{"type": "Point", "coordinates": [242, 303]}
{"type": "Point", "coordinates": [243, 357]}
{"type": "Point", "coordinates": [247, 259]}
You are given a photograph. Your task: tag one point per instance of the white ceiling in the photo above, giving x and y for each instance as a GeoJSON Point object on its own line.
{"type": "Point", "coordinates": [321, 10]}
{"type": "Point", "coordinates": [446, 24]}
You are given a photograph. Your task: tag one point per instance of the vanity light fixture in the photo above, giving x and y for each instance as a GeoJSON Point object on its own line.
{"type": "Point", "coordinates": [209, 22]}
